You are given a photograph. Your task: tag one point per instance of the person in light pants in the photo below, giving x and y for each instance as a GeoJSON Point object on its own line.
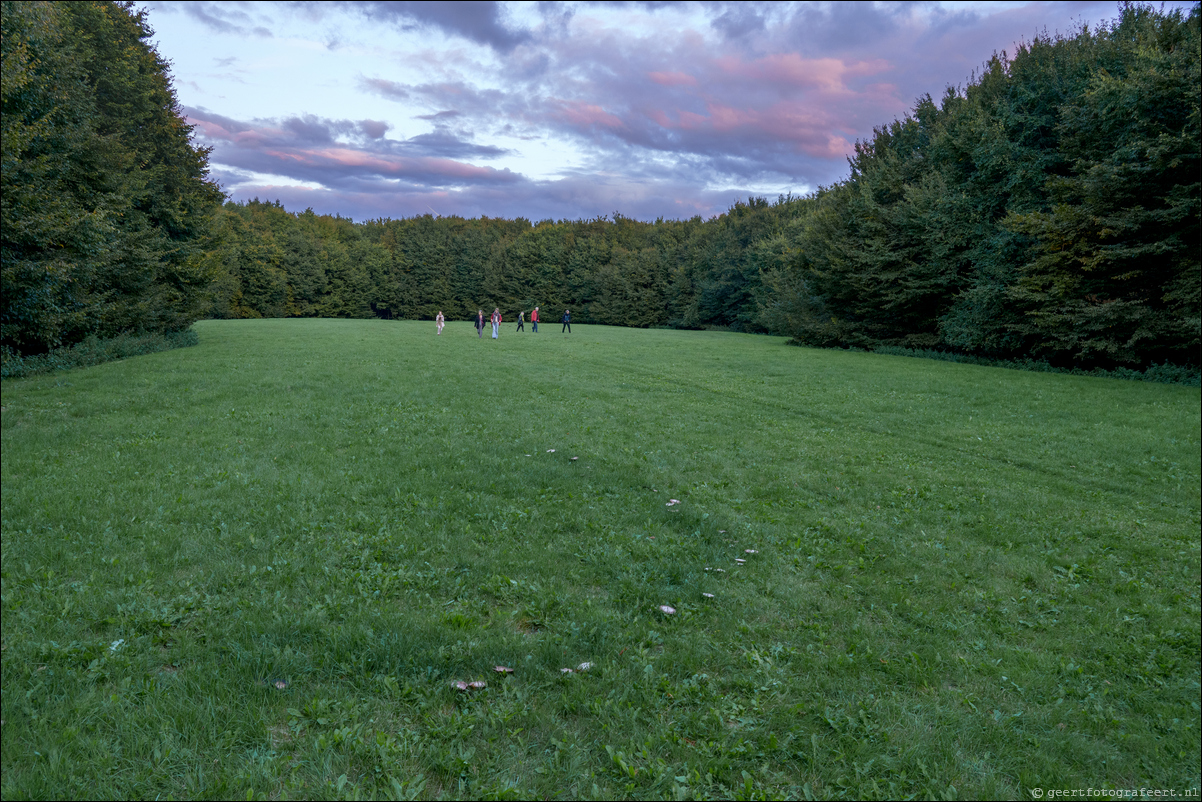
{"type": "Point", "coordinates": [496, 322]}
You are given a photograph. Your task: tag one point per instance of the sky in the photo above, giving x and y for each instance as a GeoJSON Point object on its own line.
{"type": "Point", "coordinates": [563, 110]}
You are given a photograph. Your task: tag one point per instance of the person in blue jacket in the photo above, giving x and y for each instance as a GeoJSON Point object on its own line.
{"type": "Point", "coordinates": [567, 321]}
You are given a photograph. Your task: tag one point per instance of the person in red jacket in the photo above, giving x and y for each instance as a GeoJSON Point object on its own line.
{"type": "Point", "coordinates": [534, 320]}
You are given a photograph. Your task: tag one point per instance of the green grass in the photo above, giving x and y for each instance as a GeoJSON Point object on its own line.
{"type": "Point", "coordinates": [969, 582]}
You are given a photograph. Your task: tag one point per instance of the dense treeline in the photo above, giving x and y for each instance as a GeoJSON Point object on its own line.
{"type": "Point", "coordinates": [617, 271]}
{"type": "Point", "coordinates": [1050, 210]}
{"type": "Point", "coordinates": [104, 200]}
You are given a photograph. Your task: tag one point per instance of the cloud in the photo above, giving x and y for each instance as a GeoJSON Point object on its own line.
{"type": "Point", "coordinates": [844, 26]}
{"type": "Point", "coordinates": [791, 70]}
{"type": "Point", "coordinates": [440, 116]}
{"type": "Point", "coordinates": [309, 129]}
{"type": "Point", "coordinates": [214, 126]}
{"type": "Point", "coordinates": [673, 78]}
{"type": "Point", "coordinates": [347, 154]}
{"type": "Point", "coordinates": [739, 20]}
{"type": "Point", "coordinates": [385, 89]}
{"type": "Point", "coordinates": [779, 97]}
{"type": "Point", "coordinates": [223, 19]}
{"type": "Point", "coordinates": [456, 101]}
{"type": "Point", "coordinates": [580, 115]}
{"type": "Point", "coordinates": [481, 22]}
{"type": "Point", "coordinates": [442, 142]}
{"type": "Point", "coordinates": [775, 116]}
{"type": "Point", "coordinates": [373, 129]}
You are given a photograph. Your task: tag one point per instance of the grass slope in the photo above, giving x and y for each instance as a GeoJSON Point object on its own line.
{"type": "Point", "coordinates": [969, 581]}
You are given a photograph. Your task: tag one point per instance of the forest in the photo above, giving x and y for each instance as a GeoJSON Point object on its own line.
{"type": "Point", "coordinates": [1049, 210]}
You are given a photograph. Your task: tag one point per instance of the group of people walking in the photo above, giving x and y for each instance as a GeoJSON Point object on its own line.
{"type": "Point", "coordinates": [495, 320]}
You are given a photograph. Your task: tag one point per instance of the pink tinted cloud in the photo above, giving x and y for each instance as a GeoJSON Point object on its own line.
{"type": "Point", "coordinates": [211, 130]}
{"type": "Point", "coordinates": [587, 115]}
{"type": "Point", "coordinates": [729, 104]}
{"type": "Point", "coordinates": [808, 129]}
{"type": "Point", "coordinates": [248, 137]}
{"type": "Point", "coordinates": [672, 78]}
{"type": "Point", "coordinates": [792, 70]}
{"type": "Point", "coordinates": [817, 109]}
{"type": "Point", "coordinates": [390, 165]}
{"type": "Point", "coordinates": [338, 153]}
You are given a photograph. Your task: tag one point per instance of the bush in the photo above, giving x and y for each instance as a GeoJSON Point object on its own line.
{"type": "Point", "coordinates": [92, 351]}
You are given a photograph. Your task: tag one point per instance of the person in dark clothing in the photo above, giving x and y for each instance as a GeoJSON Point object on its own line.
{"type": "Point", "coordinates": [567, 321]}
{"type": "Point", "coordinates": [480, 323]}
{"type": "Point", "coordinates": [521, 317]}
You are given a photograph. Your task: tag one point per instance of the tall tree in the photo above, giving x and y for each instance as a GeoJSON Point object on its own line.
{"type": "Point", "coordinates": [1114, 276]}
{"type": "Point", "coordinates": [105, 200]}
{"type": "Point", "coordinates": [1050, 210]}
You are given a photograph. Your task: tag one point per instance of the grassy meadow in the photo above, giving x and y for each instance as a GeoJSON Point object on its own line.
{"type": "Point", "coordinates": [253, 568]}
